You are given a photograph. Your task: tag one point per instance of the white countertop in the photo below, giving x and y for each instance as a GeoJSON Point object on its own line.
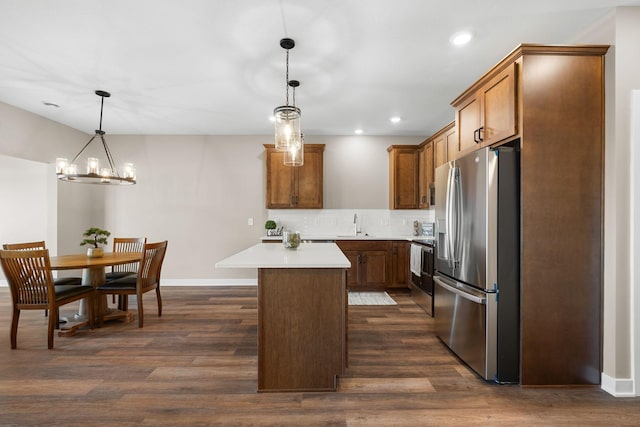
{"type": "Point", "coordinates": [333, 237]}
{"type": "Point", "coordinates": [271, 255]}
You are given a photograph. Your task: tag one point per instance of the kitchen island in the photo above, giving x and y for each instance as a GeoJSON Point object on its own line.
{"type": "Point", "coordinates": [302, 314]}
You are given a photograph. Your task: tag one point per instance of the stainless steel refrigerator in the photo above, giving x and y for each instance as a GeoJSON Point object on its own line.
{"type": "Point", "coordinates": [477, 279]}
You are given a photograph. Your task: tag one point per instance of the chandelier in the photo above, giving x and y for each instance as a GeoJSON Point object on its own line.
{"type": "Point", "coordinates": [287, 117]}
{"type": "Point", "coordinates": [107, 175]}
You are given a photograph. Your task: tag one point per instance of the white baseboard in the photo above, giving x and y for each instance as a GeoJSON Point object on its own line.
{"type": "Point", "coordinates": [618, 387]}
{"type": "Point", "coordinates": [209, 282]}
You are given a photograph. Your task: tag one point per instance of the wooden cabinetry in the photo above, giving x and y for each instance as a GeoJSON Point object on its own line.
{"type": "Point", "coordinates": [403, 176]}
{"type": "Point", "coordinates": [400, 275]}
{"type": "Point", "coordinates": [370, 264]}
{"type": "Point", "coordinates": [549, 102]}
{"type": "Point", "coordinates": [445, 144]}
{"type": "Point", "coordinates": [298, 187]}
{"type": "Point", "coordinates": [487, 115]}
{"type": "Point", "coordinates": [426, 177]}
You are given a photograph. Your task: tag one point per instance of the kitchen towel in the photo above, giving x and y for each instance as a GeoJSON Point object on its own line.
{"type": "Point", "coordinates": [416, 259]}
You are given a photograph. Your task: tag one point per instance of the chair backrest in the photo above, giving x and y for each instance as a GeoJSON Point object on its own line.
{"type": "Point", "coordinates": [151, 266]}
{"type": "Point", "coordinates": [128, 244]}
{"type": "Point", "coordinates": [24, 246]}
{"type": "Point", "coordinates": [29, 275]}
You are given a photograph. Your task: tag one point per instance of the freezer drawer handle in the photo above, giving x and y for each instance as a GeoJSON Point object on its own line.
{"type": "Point", "coordinates": [477, 300]}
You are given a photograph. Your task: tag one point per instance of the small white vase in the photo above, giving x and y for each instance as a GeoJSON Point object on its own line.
{"type": "Point", "coordinates": [95, 252]}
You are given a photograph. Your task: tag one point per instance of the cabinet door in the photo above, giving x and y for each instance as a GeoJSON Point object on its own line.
{"type": "Point", "coordinates": [468, 123]}
{"type": "Point", "coordinates": [404, 178]}
{"type": "Point", "coordinates": [353, 273]}
{"type": "Point", "coordinates": [499, 107]}
{"type": "Point", "coordinates": [450, 145]}
{"type": "Point", "coordinates": [308, 191]}
{"type": "Point", "coordinates": [374, 269]}
{"type": "Point", "coordinates": [425, 168]}
{"type": "Point", "coordinates": [280, 180]}
{"type": "Point", "coordinates": [400, 265]}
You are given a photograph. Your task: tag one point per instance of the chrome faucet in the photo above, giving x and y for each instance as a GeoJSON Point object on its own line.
{"type": "Point", "coordinates": [355, 224]}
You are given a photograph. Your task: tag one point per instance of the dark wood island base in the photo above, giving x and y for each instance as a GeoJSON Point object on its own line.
{"type": "Point", "coordinates": [302, 318]}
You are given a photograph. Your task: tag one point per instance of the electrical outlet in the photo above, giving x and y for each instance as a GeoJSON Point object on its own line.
{"type": "Point", "coordinates": [250, 221]}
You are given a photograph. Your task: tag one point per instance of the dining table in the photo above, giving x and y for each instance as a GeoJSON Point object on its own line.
{"type": "Point", "coordinates": [93, 273]}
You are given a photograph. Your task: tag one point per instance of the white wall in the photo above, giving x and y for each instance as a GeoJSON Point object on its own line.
{"type": "Point", "coordinates": [26, 202]}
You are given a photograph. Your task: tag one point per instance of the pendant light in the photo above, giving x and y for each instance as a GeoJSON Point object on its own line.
{"type": "Point", "coordinates": [107, 175]}
{"type": "Point", "coordinates": [294, 154]}
{"type": "Point", "coordinates": [287, 117]}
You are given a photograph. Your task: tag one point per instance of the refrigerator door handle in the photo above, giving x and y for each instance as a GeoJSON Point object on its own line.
{"type": "Point", "coordinates": [463, 294]}
{"type": "Point", "coordinates": [449, 220]}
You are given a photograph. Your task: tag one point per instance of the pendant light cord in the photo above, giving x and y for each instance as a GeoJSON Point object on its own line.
{"type": "Point", "coordinates": [286, 80]}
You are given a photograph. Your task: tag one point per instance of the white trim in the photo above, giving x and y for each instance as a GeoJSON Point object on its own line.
{"type": "Point", "coordinates": [209, 282]}
{"type": "Point", "coordinates": [617, 387]}
{"type": "Point", "coordinates": [634, 250]}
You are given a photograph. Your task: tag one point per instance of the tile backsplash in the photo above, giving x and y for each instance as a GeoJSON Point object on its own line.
{"type": "Point", "coordinates": [334, 222]}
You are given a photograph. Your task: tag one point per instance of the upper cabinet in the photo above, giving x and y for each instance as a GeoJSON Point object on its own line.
{"type": "Point", "coordinates": [445, 144]}
{"type": "Point", "coordinates": [425, 169]}
{"type": "Point", "coordinates": [487, 115]}
{"type": "Point", "coordinates": [403, 176]}
{"type": "Point", "coordinates": [295, 187]}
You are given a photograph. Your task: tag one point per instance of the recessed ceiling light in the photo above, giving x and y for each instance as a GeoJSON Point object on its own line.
{"type": "Point", "coordinates": [395, 119]}
{"type": "Point", "coordinates": [272, 119]}
{"type": "Point", "coordinates": [461, 38]}
{"type": "Point", "coordinates": [358, 131]}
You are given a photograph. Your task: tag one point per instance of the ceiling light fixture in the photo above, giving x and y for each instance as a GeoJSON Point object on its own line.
{"type": "Point", "coordinates": [358, 131]}
{"type": "Point", "coordinates": [461, 38]}
{"type": "Point", "coordinates": [95, 175]}
{"type": "Point", "coordinates": [287, 117]}
{"type": "Point", "coordinates": [395, 119]}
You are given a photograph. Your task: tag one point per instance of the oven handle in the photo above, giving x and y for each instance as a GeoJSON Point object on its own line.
{"type": "Point", "coordinates": [463, 294]}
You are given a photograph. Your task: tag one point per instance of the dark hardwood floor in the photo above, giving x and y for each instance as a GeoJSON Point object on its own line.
{"type": "Point", "coordinates": [197, 366]}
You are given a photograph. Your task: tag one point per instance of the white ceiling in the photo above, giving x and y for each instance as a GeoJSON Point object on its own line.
{"type": "Point", "coordinates": [216, 67]}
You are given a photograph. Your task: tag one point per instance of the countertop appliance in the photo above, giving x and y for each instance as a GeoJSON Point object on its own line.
{"type": "Point", "coordinates": [477, 279]}
{"type": "Point", "coordinates": [422, 269]}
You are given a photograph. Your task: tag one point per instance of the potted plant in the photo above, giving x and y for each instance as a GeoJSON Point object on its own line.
{"type": "Point", "coordinates": [95, 236]}
{"type": "Point", "coordinates": [270, 226]}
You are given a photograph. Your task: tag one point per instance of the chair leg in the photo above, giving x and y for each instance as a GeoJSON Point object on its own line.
{"type": "Point", "coordinates": [14, 328]}
{"type": "Point", "coordinates": [140, 311]}
{"type": "Point", "coordinates": [159, 298]}
{"type": "Point", "coordinates": [52, 326]}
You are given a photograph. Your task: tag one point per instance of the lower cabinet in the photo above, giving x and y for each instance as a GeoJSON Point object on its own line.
{"type": "Point", "coordinates": [401, 275]}
{"type": "Point", "coordinates": [376, 265]}
{"type": "Point", "coordinates": [370, 264]}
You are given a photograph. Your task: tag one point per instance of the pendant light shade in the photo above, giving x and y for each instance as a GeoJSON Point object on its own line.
{"type": "Point", "coordinates": [94, 173]}
{"type": "Point", "coordinates": [287, 126]}
{"type": "Point", "coordinates": [294, 156]}
{"type": "Point", "coordinates": [287, 117]}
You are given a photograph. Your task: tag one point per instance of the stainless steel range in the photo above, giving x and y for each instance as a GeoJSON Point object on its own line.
{"type": "Point", "coordinates": [422, 270]}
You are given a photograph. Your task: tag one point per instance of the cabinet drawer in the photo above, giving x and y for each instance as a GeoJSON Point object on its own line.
{"type": "Point", "coordinates": [362, 245]}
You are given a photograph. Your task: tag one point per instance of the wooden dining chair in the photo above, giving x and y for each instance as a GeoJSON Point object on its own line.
{"type": "Point", "coordinates": [58, 281]}
{"type": "Point", "coordinates": [28, 273]}
{"type": "Point", "coordinates": [125, 244]}
{"type": "Point", "coordinates": [147, 279]}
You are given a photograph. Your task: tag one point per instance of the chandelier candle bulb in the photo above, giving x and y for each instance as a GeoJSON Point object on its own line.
{"type": "Point", "coordinates": [61, 164]}
{"type": "Point", "coordinates": [93, 165]}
